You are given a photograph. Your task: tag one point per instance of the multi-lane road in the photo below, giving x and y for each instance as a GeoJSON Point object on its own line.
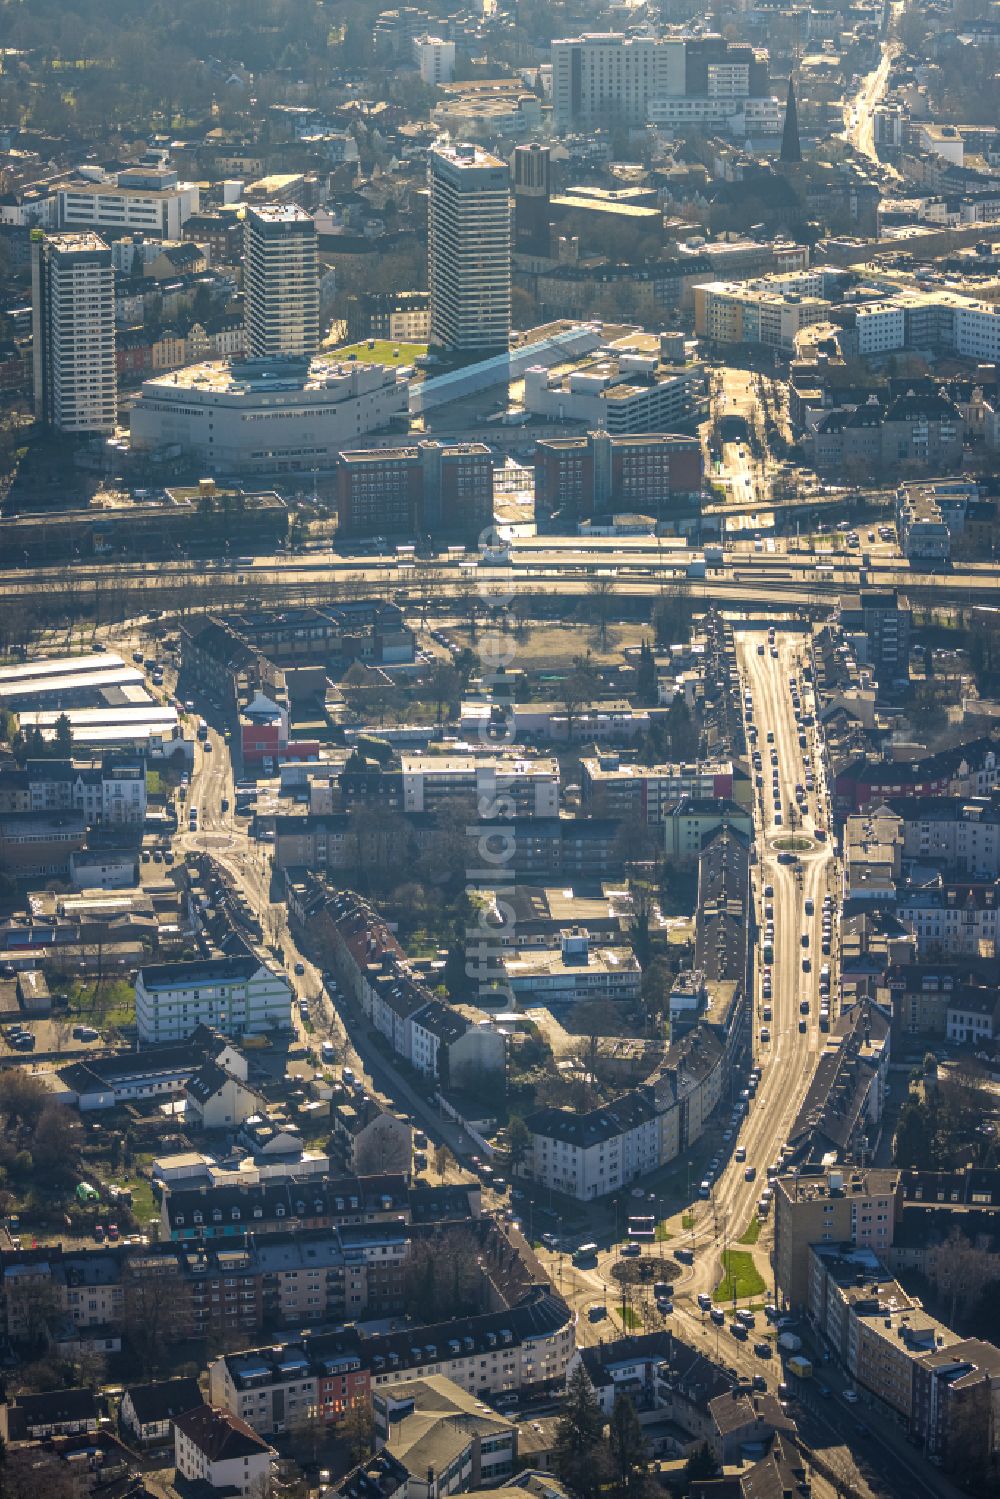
{"type": "Point", "coordinates": [639, 567]}
{"type": "Point", "coordinates": [787, 1046]}
{"type": "Point", "coordinates": [859, 111]}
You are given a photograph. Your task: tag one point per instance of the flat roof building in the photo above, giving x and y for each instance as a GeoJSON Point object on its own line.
{"type": "Point", "coordinates": [280, 281]}
{"type": "Point", "coordinates": [267, 416]}
{"type": "Point", "coordinates": [73, 333]}
{"type": "Point", "coordinates": [469, 250]}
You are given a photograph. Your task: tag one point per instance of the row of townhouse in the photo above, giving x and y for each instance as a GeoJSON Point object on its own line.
{"type": "Point", "coordinates": [109, 793]}
{"type": "Point", "coordinates": [960, 920]}
{"type": "Point", "coordinates": [242, 1276]}
{"type": "Point", "coordinates": [526, 1347]}
{"type": "Point", "coordinates": [433, 1037]}
{"type": "Point", "coordinates": [589, 1155]}
{"type": "Point", "coordinates": [969, 770]}
{"type": "Point", "coordinates": [961, 832]}
{"type": "Point", "coordinates": [263, 1280]}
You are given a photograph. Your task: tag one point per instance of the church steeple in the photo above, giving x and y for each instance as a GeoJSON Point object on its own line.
{"type": "Point", "coordinates": [791, 151]}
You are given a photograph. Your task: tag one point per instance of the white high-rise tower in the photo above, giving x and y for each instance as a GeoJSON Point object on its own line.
{"type": "Point", "coordinates": [469, 234]}
{"type": "Point", "coordinates": [73, 321]}
{"type": "Point", "coordinates": [280, 281]}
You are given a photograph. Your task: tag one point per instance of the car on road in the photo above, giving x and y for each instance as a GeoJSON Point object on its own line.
{"type": "Point", "coordinates": [851, 1396]}
{"type": "Point", "coordinates": [596, 1311]}
{"type": "Point", "coordinates": [225, 804]}
{"type": "Point", "coordinates": [750, 1174]}
{"type": "Point", "coordinates": [717, 1315]}
{"type": "Point", "coordinates": [300, 969]}
{"type": "Point", "coordinates": [738, 1331]}
{"type": "Point", "coordinates": [304, 1008]}
{"type": "Point", "coordinates": [762, 1350]}
{"type": "Point", "coordinates": [631, 1251]}
{"type": "Point", "coordinates": [704, 1301]}
{"type": "Point", "coordinates": [741, 1152]}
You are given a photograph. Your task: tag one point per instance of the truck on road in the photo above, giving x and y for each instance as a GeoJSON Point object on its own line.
{"type": "Point", "coordinates": [789, 1342]}
{"type": "Point", "coordinates": [799, 1366]}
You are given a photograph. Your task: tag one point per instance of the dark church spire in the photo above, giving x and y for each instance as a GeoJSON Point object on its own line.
{"type": "Point", "coordinates": [791, 151]}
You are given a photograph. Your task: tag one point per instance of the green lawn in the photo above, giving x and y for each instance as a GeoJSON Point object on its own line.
{"type": "Point", "coordinates": [751, 1233]}
{"type": "Point", "coordinates": [113, 1005]}
{"type": "Point", "coordinates": [384, 352]}
{"type": "Point", "coordinates": [630, 1317]}
{"type": "Point", "coordinates": [741, 1277]}
{"type": "Point", "coordinates": [154, 783]}
{"type": "Point", "coordinates": [687, 1220]}
{"type": "Point", "coordinates": [662, 1233]}
{"type": "Point", "coordinates": [143, 1202]}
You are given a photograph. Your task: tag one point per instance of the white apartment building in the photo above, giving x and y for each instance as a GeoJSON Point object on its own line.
{"type": "Point", "coordinates": [469, 249]}
{"type": "Point", "coordinates": [973, 1017]}
{"type": "Point", "coordinates": [741, 117]}
{"type": "Point", "coordinates": [589, 1155]}
{"type": "Point", "coordinates": [575, 972]}
{"type": "Point", "coordinates": [148, 199]}
{"type": "Point", "coordinates": [239, 996]}
{"type": "Point", "coordinates": [73, 333]}
{"type": "Point", "coordinates": [216, 1448]}
{"type": "Point", "coordinates": [881, 327]}
{"type": "Point", "coordinates": [435, 59]}
{"type": "Point", "coordinates": [498, 787]}
{"type": "Point", "coordinates": [977, 330]}
{"type": "Point", "coordinates": [605, 76]}
{"type": "Point", "coordinates": [263, 418]}
{"type": "Point", "coordinates": [616, 391]}
{"type": "Point", "coordinates": [280, 281]}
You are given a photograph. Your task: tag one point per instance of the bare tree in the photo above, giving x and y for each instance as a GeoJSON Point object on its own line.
{"type": "Point", "coordinates": [960, 1270]}
{"type": "Point", "coordinates": [600, 598]}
